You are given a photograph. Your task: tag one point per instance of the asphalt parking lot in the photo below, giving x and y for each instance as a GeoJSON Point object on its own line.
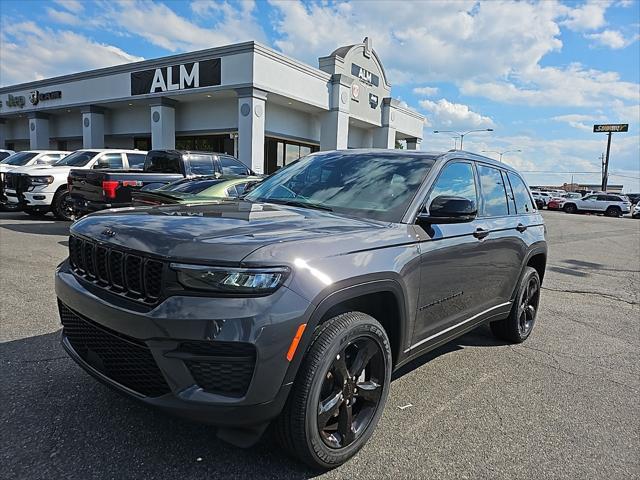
{"type": "Point", "coordinates": [562, 405]}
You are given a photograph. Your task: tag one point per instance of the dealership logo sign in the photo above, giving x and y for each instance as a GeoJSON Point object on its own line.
{"type": "Point", "coordinates": [36, 97]}
{"type": "Point", "coordinates": [15, 101]}
{"type": "Point", "coordinates": [205, 73]}
{"type": "Point", "coordinates": [365, 75]}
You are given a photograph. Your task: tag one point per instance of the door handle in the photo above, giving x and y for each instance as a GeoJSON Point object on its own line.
{"type": "Point", "coordinates": [480, 233]}
{"type": "Point", "coordinates": [521, 228]}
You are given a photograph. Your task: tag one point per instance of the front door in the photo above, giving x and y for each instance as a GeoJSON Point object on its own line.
{"type": "Point", "coordinates": [451, 270]}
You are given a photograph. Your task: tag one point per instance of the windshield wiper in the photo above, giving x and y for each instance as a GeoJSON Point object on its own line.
{"type": "Point", "coordinates": [296, 203]}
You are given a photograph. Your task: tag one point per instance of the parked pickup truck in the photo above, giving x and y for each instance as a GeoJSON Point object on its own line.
{"type": "Point", "coordinates": [92, 190]}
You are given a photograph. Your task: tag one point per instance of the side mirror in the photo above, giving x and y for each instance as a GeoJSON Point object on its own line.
{"type": "Point", "coordinates": [449, 209]}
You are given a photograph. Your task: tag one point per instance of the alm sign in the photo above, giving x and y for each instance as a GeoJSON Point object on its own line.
{"type": "Point", "coordinates": [204, 73]}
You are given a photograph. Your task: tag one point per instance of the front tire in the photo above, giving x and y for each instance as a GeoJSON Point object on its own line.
{"type": "Point", "coordinates": [61, 207]}
{"type": "Point", "coordinates": [339, 393]}
{"type": "Point", "coordinates": [517, 327]}
{"type": "Point", "coordinates": [570, 208]}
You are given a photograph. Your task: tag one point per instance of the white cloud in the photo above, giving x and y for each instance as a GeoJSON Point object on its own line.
{"type": "Point", "coordinates": [51, 53]}
{"type": "Point", "coordinates": [589, 16]}
{"type": "Point", "coordinates": [74, 6]}
{"type": "Point", "coordinates": [64, 17]}
{"type": "Point", "coordinates": [580, 121]}
{"type": "Point", "coordinates": [222, 24]}
{"type": "Point", "coordinates": [426, 91]}
{"type": "Point", "coordinates": [612, 39]}
{"type": "Point", "coordinates": [445, 114]}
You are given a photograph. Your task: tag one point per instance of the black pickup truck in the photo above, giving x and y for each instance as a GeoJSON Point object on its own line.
{"type": "Point", "coordinates": [92, 190]}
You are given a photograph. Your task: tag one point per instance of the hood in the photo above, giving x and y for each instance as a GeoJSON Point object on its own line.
{"type": "Point", "coordinates": [7, 168]}
{"type": "Point", "coordinates": [35, 169]}
{"type": "Point", "coordinates": [224, 232]}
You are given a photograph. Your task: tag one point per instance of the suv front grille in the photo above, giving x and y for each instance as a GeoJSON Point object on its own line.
{"type": "Point", "coordinates": [132, 275]}
{"type": "Point", "coordinates": [123, 359]}
{"type": "Point", "coordinates": [225, 368]}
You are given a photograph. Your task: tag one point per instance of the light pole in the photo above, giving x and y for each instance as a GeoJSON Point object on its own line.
{"type": "Point", "coordinates": [462, 134]}
{"type": "Point", "coordinates": [500, 153]}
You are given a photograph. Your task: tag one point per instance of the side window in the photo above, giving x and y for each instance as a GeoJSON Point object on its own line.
{"type": "Point", "coordinates": [494, 197]}
{"type": "Point", "coordinates": [520, 194]}
{"type": "Point", "coordinates": [109, 160]}
{"type": "Point", "coordinates": [231, 166]}
{"type": "Point", "coordinates": [613, 198]}
{"type": "Point", "coordinates": [240, 188]}
{"type": "Point", "coordinates": [136, 160]}
{"type": "Point", "coordinates": [510, 197]}
{"type": "Point", "coordinates": [590, 197]}
{"type": "Point", "coordinates": [232, 191]}
{"type": "Point", "coordinates": [456, 180]}
{"type": "Point", "coordinates": [201, 164]}
{"type": "Point", "coordinates": [602, 198]}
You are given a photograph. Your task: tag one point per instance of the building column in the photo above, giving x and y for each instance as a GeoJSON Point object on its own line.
{"type": "Point", "coordinates": [413, 143]}
{"type": "Point", "coordinates": [3, 133]}
{"type": "Point", "coordinates": [163, 124]}
{"type": "Point", "coordinates": [385, 136]}
{"type": "Point", "coordinates": [92, 127]}
{"type": "Point", "coordinates": [38, 131]}
{"type": "Point", "coordinates": [251, 121]}
{"type": "Point", "coordinates": [334, 128]}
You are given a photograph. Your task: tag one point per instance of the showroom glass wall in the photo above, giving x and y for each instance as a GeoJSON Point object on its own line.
{"type": "Point", "coordinates": [279, 152]}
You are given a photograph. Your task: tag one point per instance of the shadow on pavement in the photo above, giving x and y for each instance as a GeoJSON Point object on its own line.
{"type": "Point", "coordinates": [39, 227]}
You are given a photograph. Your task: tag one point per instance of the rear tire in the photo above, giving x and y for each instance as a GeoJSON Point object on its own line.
{"type": "Point", "coordinates": [517, 327]}
{"type": "Point", "coordinates": [60, 206]}
{"type": "Point", "coordinates": [332, 394]}
{"type": "Point", "coordinates": [570, 208]}
{"type": "Point", "coordinates": [613, 212]}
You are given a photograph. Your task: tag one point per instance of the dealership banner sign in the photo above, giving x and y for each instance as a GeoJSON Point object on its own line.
{"type": "Point", "coordinates": [611, 127]}
{"type": "Point", "coordinates": [205, 73]}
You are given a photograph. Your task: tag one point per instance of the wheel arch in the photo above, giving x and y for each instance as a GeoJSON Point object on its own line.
{"type": "Point", "coordinates": [536, 258]}
{"type": "Point", "coordinates": [384, 300]}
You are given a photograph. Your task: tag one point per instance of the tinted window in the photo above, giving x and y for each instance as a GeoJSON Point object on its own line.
{"type": "Point", "coordinates": [4, 155]}
{"type": "Point", "coordinates": [376, 185]}
{"type": "Point", "coordinates": [455, 180]}
{"type": "Point", "coordinates": [19, 159]}
{"type": "Point", "coordinates": [510, 198]}
{"type": "Point", "coordinates": [77, 159]}
{"type": "Point", "coordinates": [109, 160]}
{"type": "Point", "coordinates": [136, 160]}
{"type": "Point", "coordinates": [614, 198]}
{"type": "Point", "coordinates": [201, 164]}
{"type": "Point", "coordinates": [520, 194]}
{"type": "Point", "coordinates": [494, 198]}
{"type": "Point", "coordinates": [162, 162]}
{"type": "Point", "coordinates": [602, 198]}
{"type": "Point", "coordinates": [231, 166]}
{"type": "Point", "coordinates": [231, 191]}
{"type": "Point", "coordinates": [240, 188]}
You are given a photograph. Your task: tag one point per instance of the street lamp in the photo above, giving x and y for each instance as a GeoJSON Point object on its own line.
{"type": "Point", "coordinates": [500, 153]}
{"type": "Point", "coordinates": [462, 134]}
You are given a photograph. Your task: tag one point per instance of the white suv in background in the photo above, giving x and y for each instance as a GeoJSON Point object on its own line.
{"type": "Point", "coordinates": [39, 189]}
{"type": "Point", "coordinates": [24, 159]}
{"type": "Point", "coordinates": [543, 196]}
{"type": "Point", "coordinates": [610, 204]}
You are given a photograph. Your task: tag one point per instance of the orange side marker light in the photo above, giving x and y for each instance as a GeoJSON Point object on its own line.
{"type": "Point", "coordinates": [296, 340]}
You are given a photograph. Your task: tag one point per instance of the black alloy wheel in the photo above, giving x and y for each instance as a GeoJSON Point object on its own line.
{"type": "Point", "coordinates": [351, 392]}
{"type": "Point", "coordinates": [570, 208]}
{"type": "Point", "coordinates": [528, 307]}
{"type": "Point", "coordinates": [339, 393]}
{"type": "Point", "coordinates": [62, 206]}
{"type": "Point", "coordinates": [613, 212]}
{"type": "Point", "coordinates": [517, 327]}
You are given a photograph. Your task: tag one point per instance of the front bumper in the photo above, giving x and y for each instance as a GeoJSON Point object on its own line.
{"type": "Point", "coordinates": [37, 199]}
{"type": "Point", "coordinates": [266, 323]}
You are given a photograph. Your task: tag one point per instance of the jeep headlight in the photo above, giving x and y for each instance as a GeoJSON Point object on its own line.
{"type": "Point", "coordinates": [248, 281]}
{"type": "Point", "coordinates": [42, 180]}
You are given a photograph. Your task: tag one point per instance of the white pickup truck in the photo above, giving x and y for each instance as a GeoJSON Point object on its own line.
{"type": "Point", "coordinates": [608, 203]}
{"type": "Point", "coordinates": [39, 189]}
{"type": "Point", "coordinates": [26, 158]}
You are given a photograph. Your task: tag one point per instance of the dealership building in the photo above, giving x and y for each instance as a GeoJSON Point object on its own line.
{"type": "Point", "coordinates": [244, 99]}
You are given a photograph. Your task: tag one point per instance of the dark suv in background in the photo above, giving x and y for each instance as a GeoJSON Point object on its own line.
{"type": "Point", "coordinates": [296, 303]}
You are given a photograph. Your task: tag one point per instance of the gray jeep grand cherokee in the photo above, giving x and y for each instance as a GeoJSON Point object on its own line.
{"type": "Point", "coordinates": [296, 303]}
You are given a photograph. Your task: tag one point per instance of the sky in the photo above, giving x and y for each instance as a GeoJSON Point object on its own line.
{"type": "Point", "coordinates": [539, 73]}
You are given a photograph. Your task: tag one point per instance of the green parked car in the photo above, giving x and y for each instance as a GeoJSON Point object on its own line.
{"type": "Point", "coordinates": [194, 190]}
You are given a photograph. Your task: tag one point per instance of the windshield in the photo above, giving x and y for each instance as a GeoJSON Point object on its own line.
{"type": "Point", "coordinates": [191, 186]}
{"type": "Point", "coordinates": [371, 185]}
{"type": "Point", "coordinates": [76, 159]}
{"type": "Point", "coordinates": [19, 159]}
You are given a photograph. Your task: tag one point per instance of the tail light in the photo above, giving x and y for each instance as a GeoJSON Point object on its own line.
{"type": "Point", "coordinates": [109, 188]}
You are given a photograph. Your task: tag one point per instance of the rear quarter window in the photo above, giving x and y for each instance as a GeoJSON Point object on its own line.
{"type": "Point", "coordinates": [521, 196]}
{"type": "Point", "coordinates": [201, 164]}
